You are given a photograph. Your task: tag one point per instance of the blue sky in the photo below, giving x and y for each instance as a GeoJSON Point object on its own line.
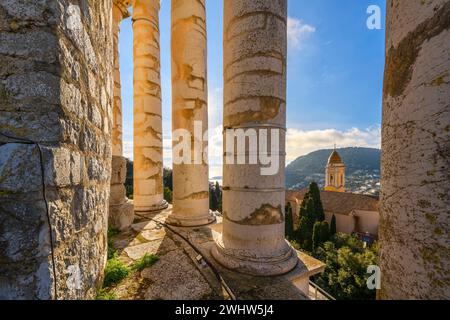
{"type": "Point", "coordinates": [335, 74]}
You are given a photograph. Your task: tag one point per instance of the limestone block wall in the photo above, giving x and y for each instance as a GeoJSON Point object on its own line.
{"type": "Point", "coordinates": [56, 89]}
{"type": "Point", "coordinates": [415, 204]}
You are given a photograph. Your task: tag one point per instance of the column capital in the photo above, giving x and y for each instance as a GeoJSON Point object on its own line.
{"type": "Point", "coordinates": [123, 5]}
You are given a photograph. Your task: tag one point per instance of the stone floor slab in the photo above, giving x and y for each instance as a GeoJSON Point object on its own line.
{"type": "Point", "coordinates": [174, 277]}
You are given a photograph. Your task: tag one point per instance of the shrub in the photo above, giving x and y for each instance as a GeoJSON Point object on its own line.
{"type": "Point", "coordinates": [115, 272]}
{"type": "Point", "coordinates": [104, 294]}
{"type": "Point", "coordinates": [145, 262]}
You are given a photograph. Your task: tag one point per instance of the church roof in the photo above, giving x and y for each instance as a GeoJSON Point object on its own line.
{"type": "Point", "coordinates": [339, 202]}
{"type": "Point", "coordinates": [335, 158]}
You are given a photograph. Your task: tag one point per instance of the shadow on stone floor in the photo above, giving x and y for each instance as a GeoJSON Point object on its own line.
{"type": "Point", "coordinates": [182, 274]}
{"type": "Point", "coordinates": [177, 275]}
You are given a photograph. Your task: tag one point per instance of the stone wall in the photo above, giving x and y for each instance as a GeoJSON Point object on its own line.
{"type": "Point", "coordinates": [56, 89]}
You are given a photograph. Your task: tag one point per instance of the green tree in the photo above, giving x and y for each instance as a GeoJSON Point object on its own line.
{"type": "Point", "coordinates": [333, 230]}
{"type": "Point", "coordinates": [289, 222]}
{"type": "Point", "coordinates": [314, 194]}
{"type": "Point", "coordinates": [304, 234]}
{"type": "Point", "coordinates": [345, 276]}
{"type": "Point", "coordinates": [218, 192]}
{"type": "Point", "coordinates": [311, 211]}
{"type": "Point", "coordinates": [213, 203]}
{"type": "Point", "coordinates": [321, 234]}
{"type": "Point", "coordinates": [168, 195]}
{"type": "Point", "coordinates": [129, 180]}
{"type": "Point", "coordinates": [168, 178]}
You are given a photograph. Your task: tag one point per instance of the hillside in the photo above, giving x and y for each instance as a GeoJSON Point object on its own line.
{"type": "Point", "coordinates": [362, 173]}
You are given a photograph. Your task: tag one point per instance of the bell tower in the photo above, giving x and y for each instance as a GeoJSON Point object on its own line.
{"type": "Point", "coordinates": [335, 173]}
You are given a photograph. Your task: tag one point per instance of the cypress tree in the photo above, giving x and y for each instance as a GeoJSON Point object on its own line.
{"type": "Point", "coordinates": [333, 230]}
{"type": "Point", "coordinates": [314, 193]}
{"type": "Point", "coordinates": [289, 222]}
{"type": "Point", "coordinates": [316, 235]}
{"type": "Point", "coordinates": [213, 203]}
{"type": "Point", "coordinates": [321, 234]}
{"type": "Point", "coordinates": [324, 232]}
{"type": "Point", "coordinates": [218, 195]}
{"type": "Point", "coordinates": [311, 211]}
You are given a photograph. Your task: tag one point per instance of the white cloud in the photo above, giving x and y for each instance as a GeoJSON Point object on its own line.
{"type": "Point", "coordinates": [167, 150]}
{"type": "Point", "coordinates": [215, 109]}
{"type": "Point", "coordinates": [299, 143]}
{"type": "Point", "coordinates": [128, 149]}
{"type": "Point", "coordinates": [298, 32]}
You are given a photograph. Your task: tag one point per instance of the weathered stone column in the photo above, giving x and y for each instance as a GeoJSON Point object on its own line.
{"type": "Point", "coordinates": [253, 239]}
{"type": "Point", "coordinates": [190, 110]}
{"type": "Point", "coordinates": [148, 146]}
{"type": "Point", "coordinates": [415, 183]}
{"type": "Point", "coordinates": [120, 12]}
{"type": "Point", "coordinates": [121, 211]}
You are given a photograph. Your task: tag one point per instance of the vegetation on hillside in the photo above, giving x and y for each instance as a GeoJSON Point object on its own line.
{"type": "Point", "coordinates": [359, 162]}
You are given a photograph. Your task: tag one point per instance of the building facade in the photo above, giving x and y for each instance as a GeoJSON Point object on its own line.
{"type": "Point", "coordinates": [335, 173]}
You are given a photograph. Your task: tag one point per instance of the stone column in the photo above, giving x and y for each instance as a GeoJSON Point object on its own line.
{"type": "Point", "coordinates": [255, 41]}
{"type": "Point", "coordinates": [120, 12]}
{"type": "Point", "coordinates": [121, 212]}
{"type": "Point", "coordinates": [414, 211]}
{"type": "Point", "coordinates": [190, 113]}
{"type": "Point", "coordinates": [148, 145]}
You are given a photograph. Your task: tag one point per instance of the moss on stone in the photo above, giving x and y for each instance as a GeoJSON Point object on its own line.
{"type": "Point", "coordinates": [401, 59]}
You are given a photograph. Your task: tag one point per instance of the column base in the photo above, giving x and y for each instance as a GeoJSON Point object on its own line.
{"type": "Point", "coordinates": [121, 216]}
{"type": "Point", "coordinates": [183, 221]}
{"type": "Point", "coordinates": [157, 207]}
{"type": "Point", "coordinates": [240, 261]}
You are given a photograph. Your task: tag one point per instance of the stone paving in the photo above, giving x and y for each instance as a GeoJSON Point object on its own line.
{"type": "Point", "coordinates": [181, 273]}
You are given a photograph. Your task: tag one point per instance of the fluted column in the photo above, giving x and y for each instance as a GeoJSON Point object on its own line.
{"type": "Point", "coordinates": [255, 40]}
{"type": "Point", "coordinates": [148, 145]}
{"type": "Point", "coordinates": [190, 113]}
{"type": "Point", "coordinates": [415, 188]}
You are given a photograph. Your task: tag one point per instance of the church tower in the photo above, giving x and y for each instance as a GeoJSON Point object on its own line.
{"type": "Point", "coordinates": [335, 173]}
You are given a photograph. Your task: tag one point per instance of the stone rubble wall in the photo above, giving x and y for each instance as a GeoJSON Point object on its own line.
{"type": "Point", "coordinates": [56, 88]}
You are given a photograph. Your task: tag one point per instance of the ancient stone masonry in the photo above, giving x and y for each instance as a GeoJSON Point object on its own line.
{"type": "Point", "coordinates": [253, 238]}
{"type": "Point", "coordinates": [61, 148]}
{"type": "Point", "coordinates": [148, 148]}
{"type": "Point", "coordinates": [190, 113]}
{"type": "Point", "coordinates": [56, 89]}
{"type": "Point", "coordinates": [415, 160]}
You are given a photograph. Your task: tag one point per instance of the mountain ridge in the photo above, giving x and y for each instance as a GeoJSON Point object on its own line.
{"type": "Point", "coordinates": [362, 169]}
